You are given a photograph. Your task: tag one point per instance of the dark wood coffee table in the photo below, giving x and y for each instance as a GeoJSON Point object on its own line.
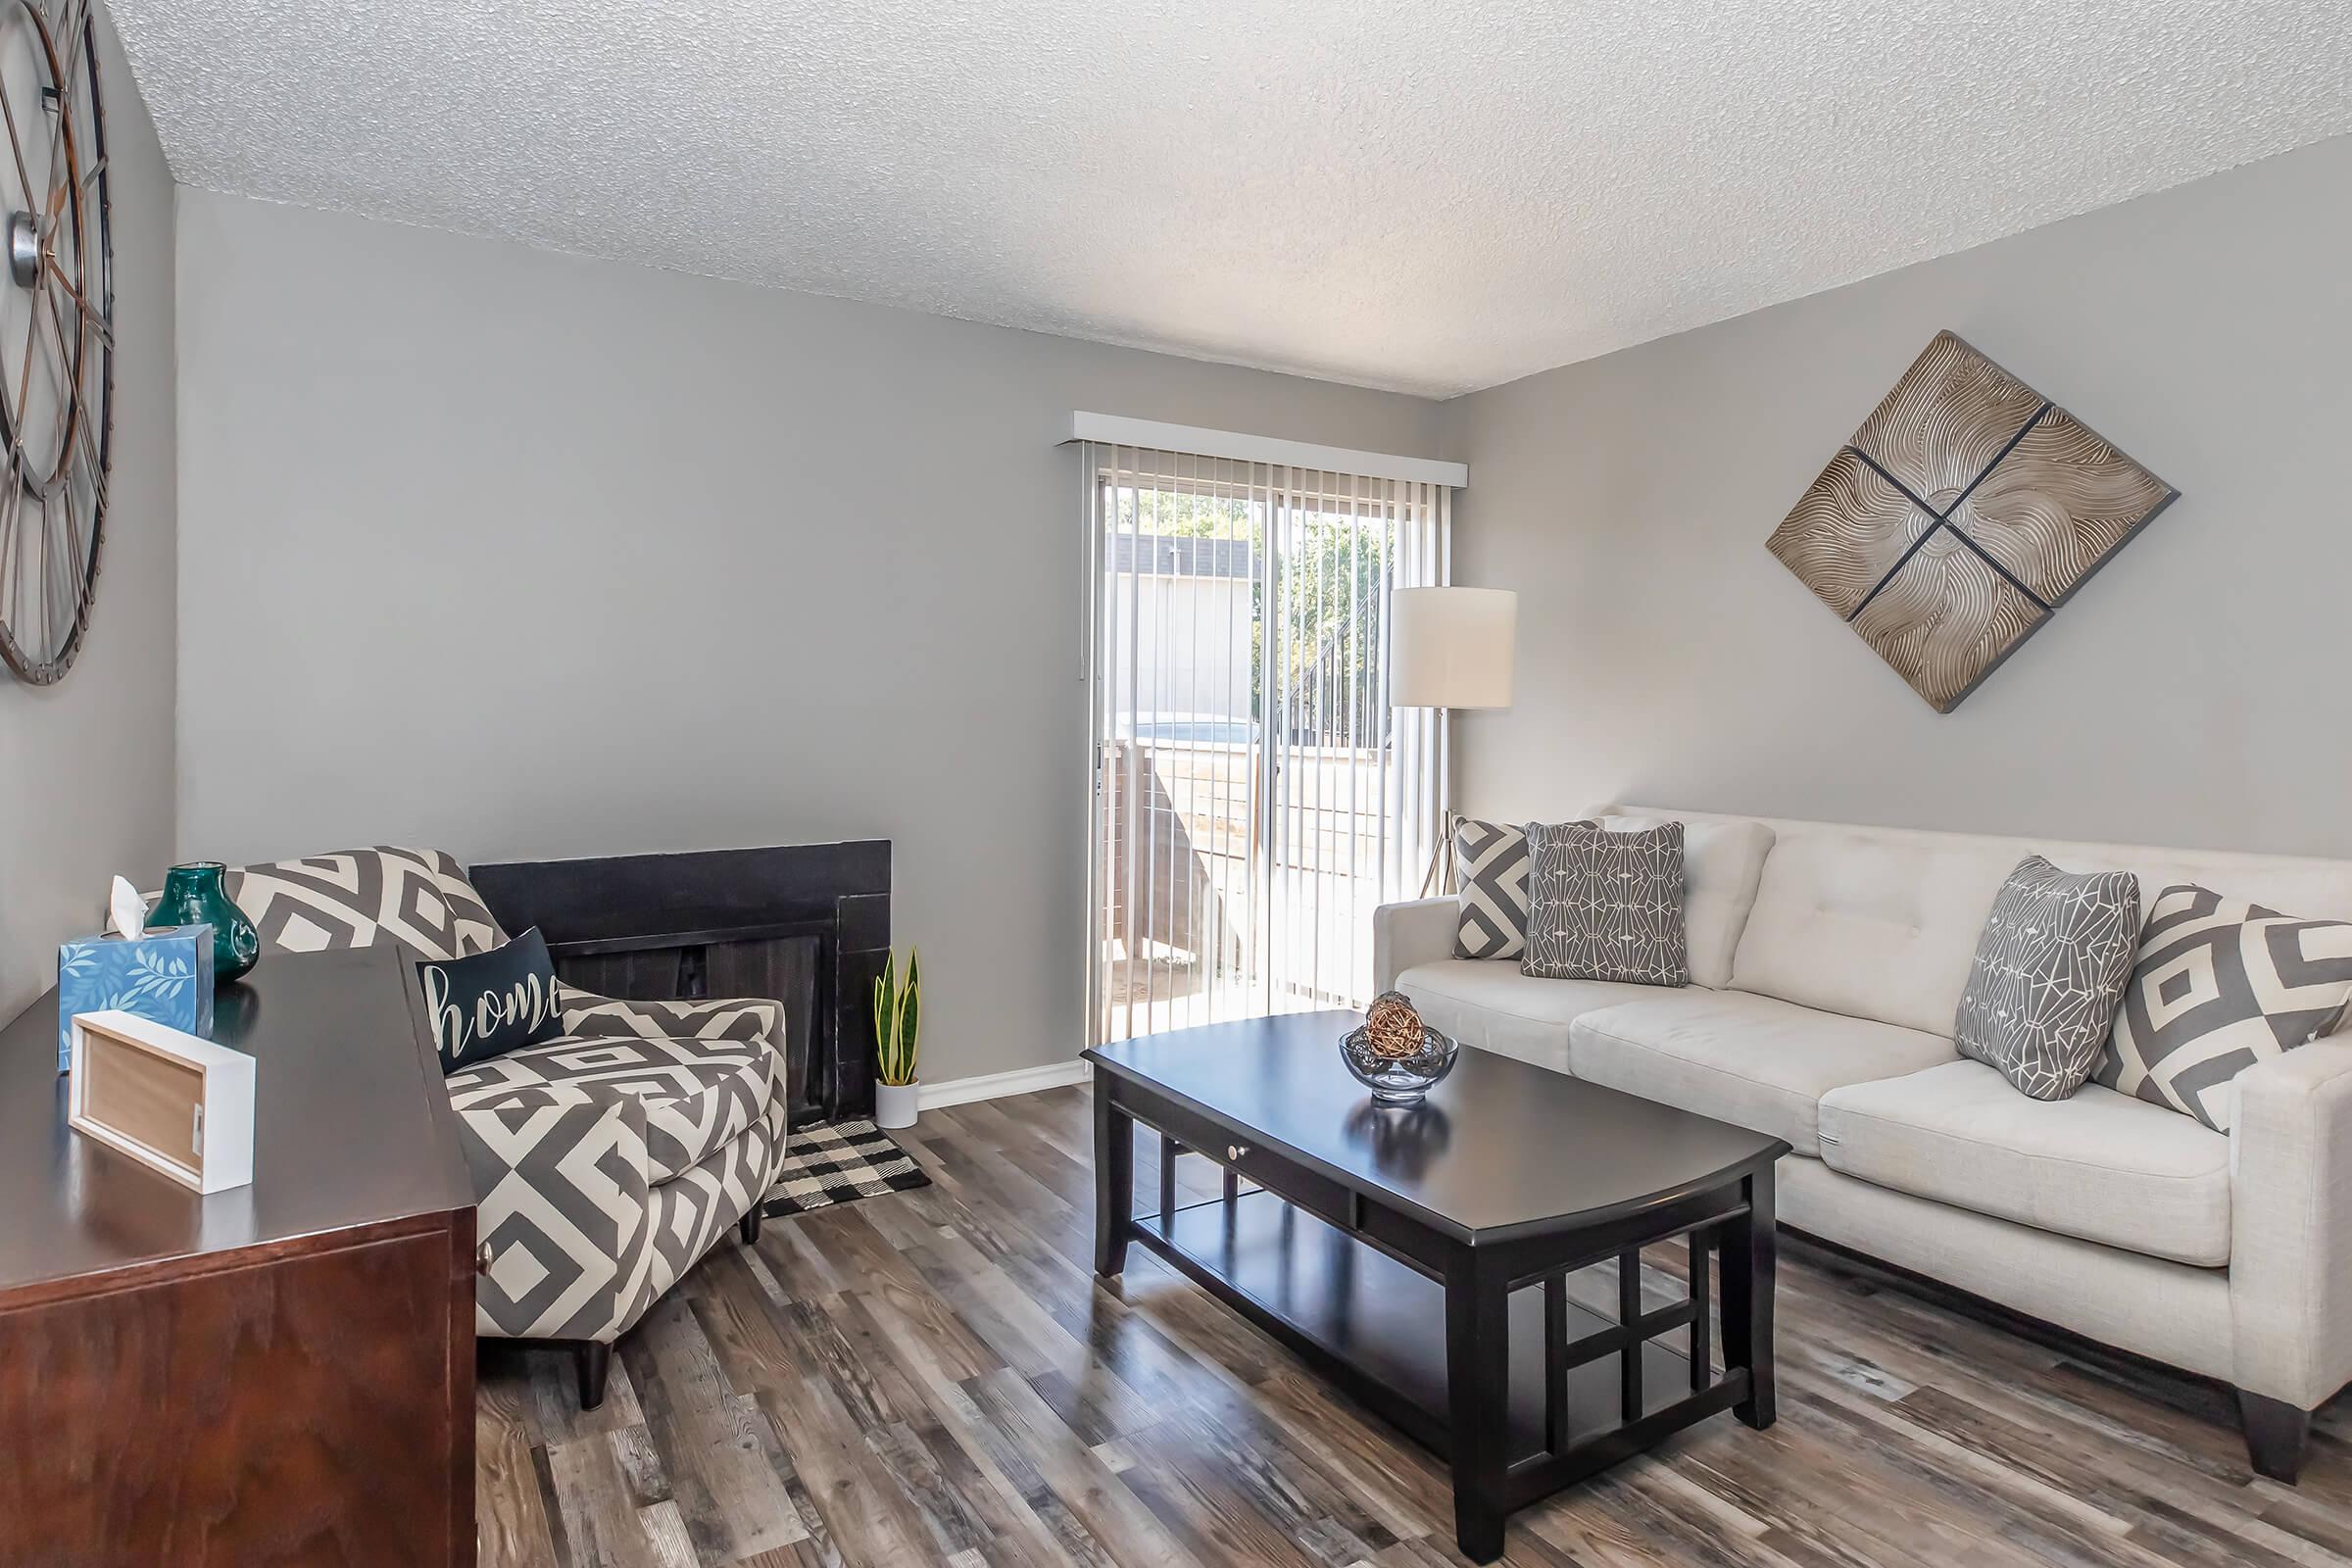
{"type": "Point", "coordinates": [1422, 1259]}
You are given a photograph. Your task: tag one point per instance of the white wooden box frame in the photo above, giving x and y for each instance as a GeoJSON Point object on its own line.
{"type": "Point", "coordinates": [220, 1131]}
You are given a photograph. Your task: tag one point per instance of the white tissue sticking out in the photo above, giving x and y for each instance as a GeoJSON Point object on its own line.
{"type": "Point", "coordinates": [128, 909]}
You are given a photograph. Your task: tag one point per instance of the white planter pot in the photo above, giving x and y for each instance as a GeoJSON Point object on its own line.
{"type": "Point", "coordinates": [894, 1103]}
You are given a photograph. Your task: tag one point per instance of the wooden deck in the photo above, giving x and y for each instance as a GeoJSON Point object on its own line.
{"type": "Point", "coordinates": [933, 1377]}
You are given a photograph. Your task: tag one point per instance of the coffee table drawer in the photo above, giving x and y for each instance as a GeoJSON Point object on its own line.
{"type": "Point", "coordinates": [1320, 1196]}
{"type": "Point", "coordinates": [1327, 1201]}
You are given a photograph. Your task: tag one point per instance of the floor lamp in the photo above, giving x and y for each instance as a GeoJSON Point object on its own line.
{"type": "Point", "coordinates": [1450, 649]}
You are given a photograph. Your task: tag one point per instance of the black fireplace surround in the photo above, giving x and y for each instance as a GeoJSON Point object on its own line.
{"type": "Point", "coordinates": [806, 925]}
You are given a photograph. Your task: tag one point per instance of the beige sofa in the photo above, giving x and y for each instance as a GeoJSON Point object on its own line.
{"type": "Point", "coordinates": [1828, 961]}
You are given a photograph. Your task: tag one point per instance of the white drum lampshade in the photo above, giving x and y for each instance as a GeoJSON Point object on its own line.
{"type": "Point", "coordinates": [1451, 647]}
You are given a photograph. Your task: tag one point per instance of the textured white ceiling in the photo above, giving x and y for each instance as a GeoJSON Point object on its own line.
{"type": "Point", "coordinates": [1432, 197]}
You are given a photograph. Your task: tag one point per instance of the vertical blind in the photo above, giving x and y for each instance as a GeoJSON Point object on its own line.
{"type": "Point", "coordinates": [1254, 796]}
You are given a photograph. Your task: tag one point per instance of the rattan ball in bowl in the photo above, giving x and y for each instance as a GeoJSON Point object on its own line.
{"type": "Point", "coordinates": [1394, 1055]}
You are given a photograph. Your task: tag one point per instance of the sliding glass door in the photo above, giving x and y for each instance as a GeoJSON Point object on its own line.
{"type": "Point", "coordinates": [1253, 794]}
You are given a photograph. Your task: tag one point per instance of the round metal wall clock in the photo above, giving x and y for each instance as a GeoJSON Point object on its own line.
{"type": "Point", "coordinates": [56, 339]}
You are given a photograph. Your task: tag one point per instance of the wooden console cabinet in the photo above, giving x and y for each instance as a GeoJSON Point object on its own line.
{"type": "Point", "coordinates": [274, 1374]}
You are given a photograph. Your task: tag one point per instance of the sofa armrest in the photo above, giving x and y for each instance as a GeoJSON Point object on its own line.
{"type": "Point", "coordinates": [1420, 931]}
{"type": "Point", "coordinates": [587, 1014]}
{"type": "Point", "coordinates": [731, 1019]}
{"type": "Point", "coordinates": [565, 1208]}
{"type": "Point", "coordinates": [2290, 1221]}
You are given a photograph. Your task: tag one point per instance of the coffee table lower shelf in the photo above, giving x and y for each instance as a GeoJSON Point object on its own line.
{"type": "Point", "coordinates": [1377, 1326]}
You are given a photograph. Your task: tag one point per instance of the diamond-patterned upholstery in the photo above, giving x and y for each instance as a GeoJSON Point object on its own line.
{"type": "Point", "coordinates": [743, 1018]}
{"type": "Point", "coordinates": [582, 1238]}
{"type": "Point", "coordinates": [356, 898]}
{"type": "Point", "coordinates": [2218, 985]}
{"type": "Point", "coordinates": [697, 1094]}
{"type": "Point", "coordinates": [607, 1160]}
{"type": "Point", "coordinates": [1490, 878]}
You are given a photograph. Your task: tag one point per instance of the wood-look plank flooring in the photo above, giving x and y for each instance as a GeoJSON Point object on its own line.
{"type": "Point", "coordinates": [935, 1377]}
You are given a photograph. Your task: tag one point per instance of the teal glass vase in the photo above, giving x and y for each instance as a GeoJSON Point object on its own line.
{"type": "Point", "coordinates": [193, 896]}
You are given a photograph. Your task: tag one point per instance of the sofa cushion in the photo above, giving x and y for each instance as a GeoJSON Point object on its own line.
{"type": "Point", "coordinates": [1882, 922]}
{"type": "Point", "coordinates": [2220, 984]}
{"type": "Point", "coordinates": [1870, 924]}
{"type": "Point", "coordinates": [1722, 862]}
{"type": "Point", "coordinates": [697, 1094]}
{"type": "Point", "coordinates": [1496, 1007]}
{"type": "Point", "coordinates": [2101, 1166]}
{"type": "Point", "coordinates": [488, 1004]}
{"type": "Point", "coordinates": [1490, 860]}
{"type": "Point", "coordinates": [2050, 968]}
{"type": "Point", "coordinates": [1753, 1061]}
{"type": "Point", "coordinates": [1605, 905]}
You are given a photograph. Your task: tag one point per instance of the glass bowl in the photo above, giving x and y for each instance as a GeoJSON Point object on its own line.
{"type": "Point", "coordinates": [1398, 1080]}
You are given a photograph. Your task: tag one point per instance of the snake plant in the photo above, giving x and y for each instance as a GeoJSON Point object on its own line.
{"type": "Point", "coordinates": [897, 1019]}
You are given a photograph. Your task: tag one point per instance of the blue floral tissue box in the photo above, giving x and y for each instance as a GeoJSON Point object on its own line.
{"type": "Point", "coordinates": [166, 975]}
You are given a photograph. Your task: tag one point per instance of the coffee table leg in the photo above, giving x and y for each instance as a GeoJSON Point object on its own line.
{"type": "Point", "coordinates": [1748, 1267]}
{"type": "Point", "coordinates": [1114, 1180]}
{"type": "Point", "coordinates": [1478, 1371]}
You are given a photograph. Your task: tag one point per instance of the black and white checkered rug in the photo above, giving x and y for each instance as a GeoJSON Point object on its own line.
{"type": "Point", "coordinates": [840, 1163]}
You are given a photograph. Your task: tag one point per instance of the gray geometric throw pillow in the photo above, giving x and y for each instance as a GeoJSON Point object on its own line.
{"type": "Point", "coordinates": [2048, 973]}
{"type": "Point", "coordinates": [2220, 985]}
{"type": "Point", "coordinates": [1490, 862]}
{"type": "Point", "coordinates": [1606, 906]}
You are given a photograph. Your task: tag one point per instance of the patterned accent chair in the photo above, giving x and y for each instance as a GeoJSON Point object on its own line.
{"type": "Point", "coordinates": [607, 1160]}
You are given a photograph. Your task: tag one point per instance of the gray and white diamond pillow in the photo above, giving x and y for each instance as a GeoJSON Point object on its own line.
{"type": "Point", "coordinates": [2049, 969]}
{"type": "Point", "coordinates": [1606, 906]}
{"type": "Point", "coordinates": [1490, 860]}
{"type": "Point", "coordinates": [2220, 985]}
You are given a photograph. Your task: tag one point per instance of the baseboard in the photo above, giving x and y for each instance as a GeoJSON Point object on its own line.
{"type": "Point", "coordinates": [997, 1085]}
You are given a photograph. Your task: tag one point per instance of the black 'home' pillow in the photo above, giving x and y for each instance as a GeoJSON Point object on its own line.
{"type": "Point", "coordinates": [492, 1003]}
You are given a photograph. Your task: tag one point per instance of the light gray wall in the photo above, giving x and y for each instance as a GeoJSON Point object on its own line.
{"type": "Point", "coordinates": [2194, 693]}
{"type": "Point", "coordinates": [517, 553]}
{"type": "Point", "coordinates": [88, 762]}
